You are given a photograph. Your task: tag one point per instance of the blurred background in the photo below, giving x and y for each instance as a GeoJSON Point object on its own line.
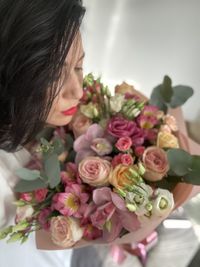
{"type": "Point", "coordinates": [140, 41]}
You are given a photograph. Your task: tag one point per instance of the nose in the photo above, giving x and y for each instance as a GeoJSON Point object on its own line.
{"type": "Point", "coordinates": [74, 87]}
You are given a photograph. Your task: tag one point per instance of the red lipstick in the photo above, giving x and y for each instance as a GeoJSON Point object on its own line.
{"type": "Point", "coordinates": [70, 112]}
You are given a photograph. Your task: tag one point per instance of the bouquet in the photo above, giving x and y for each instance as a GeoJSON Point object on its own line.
{"type": "Point", "coordinates": [117, 168]}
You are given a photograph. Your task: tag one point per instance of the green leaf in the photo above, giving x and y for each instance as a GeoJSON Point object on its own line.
{"type": "Point", "coordinates": [69, 142]}
{"type": "Point", "coordinates": [28, 186]}
{"type": "Point", "coordinates": [166, 89]}
{"type": "Point", "coordinates": [180, 95]}
{"type": "Point", "coordinates": [52, 170]}
{"type": "Point", "coordinates": [28, 175]}
{"type": "Point", "coordinates": [44, 142]}
{"type": "Point", "coordinates": [157, 99]}
{"type": "Point", "coordinates": [179, 161]}
{"type": "Point", "coordinates": [58, 146]}
{"type": "Point", "coordinates": [193, 177]}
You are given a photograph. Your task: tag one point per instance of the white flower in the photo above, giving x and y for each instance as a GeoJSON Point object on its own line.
{"type": "Point", "coordinates": [24, 212]}
{"type": "Point", "coordinates": [140, 199]}
{"type": "Point", "coordinates": [163, 204]}
{"type": "Point", "coordinates": [116, 102]}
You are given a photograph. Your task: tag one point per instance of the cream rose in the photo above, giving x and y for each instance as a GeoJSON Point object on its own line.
{"type": "Point", "coordinates": [80, 124]}
{"type": "Point", "coordinates": [94, 171]}
{"type": "Point", "coordinates": [156, 163]}
{"type": "Point", "coordinates": [65, 231]}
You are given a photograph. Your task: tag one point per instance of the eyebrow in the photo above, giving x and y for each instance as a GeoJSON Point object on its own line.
{"type": "Point", "coordinates": [83, 55]}
{"type": "Point", "coordinates": [66, 64]}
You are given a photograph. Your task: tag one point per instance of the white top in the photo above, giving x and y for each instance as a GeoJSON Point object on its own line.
{"type": "Point", "coordinates": [14, 254]}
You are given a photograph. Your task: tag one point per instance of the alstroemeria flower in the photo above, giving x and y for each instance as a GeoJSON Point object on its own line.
{"type": "Point", "coordinates": [111, 210]}
{"type": "Point", "coordinates": [87, 145]}
{"type": "Point", "coordinates": [71, 202]}
{"type": "Point", "coordinates": [148, 117]}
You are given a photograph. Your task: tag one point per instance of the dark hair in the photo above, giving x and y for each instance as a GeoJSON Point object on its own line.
{"type": "Point", "coordinates": [35, 38]}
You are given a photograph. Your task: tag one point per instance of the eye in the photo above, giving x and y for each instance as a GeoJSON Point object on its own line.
{"type": "Point", "coordinates": [78, 68]}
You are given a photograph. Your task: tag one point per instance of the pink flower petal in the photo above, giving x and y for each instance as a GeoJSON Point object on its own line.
{"type": "Point", "coordinates": [102, 196]}
{"type": "Point", "coordinates": [116, 228]}
{"type": "Point", "coordinates": [94, 131]}
{"type": "Point", "coordinates": [118, 201]}
{"type": "Point", "coordinates": [81, 143]}
{"type": "Point", "coordinates": [129, 220]}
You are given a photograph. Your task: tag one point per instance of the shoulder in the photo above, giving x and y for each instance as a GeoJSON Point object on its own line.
{"type": "Point", "coordinates": [9, 163]}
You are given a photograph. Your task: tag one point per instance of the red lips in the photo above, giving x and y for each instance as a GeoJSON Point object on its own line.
{"type": "Point", "coordinates": [70, 111]}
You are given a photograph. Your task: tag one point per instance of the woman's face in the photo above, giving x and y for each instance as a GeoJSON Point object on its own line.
{"type": "Point", "coordinates": [65, 103]}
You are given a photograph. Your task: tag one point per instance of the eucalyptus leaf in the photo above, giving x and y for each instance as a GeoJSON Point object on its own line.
{"type": "Point", "coordinates": [58, 146]}
{"type": "Point", "coordinates": [69, 142]}
{"type": "Point", "coordinates": [157, 99]}
{"type": "Point", "coordinates": [28, 175]}
{"type": "Point", "coordinates": [179, 161]}
{"type": "Point", "coordinates": [193, 177]}
{"type": "Point", "coordinates": [166, 89]}
{"type": "Point", "coordinates": [52, 170]}
{"type": "Point", "coordinates": [180, 95]}
{"type": "Point", "coordinates": [44, 142]}
{"type": "Point", "coordinates": [28, 186]}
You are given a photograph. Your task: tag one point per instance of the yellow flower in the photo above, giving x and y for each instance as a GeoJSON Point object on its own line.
{"type": "Point", "coordinates": [166, 139]}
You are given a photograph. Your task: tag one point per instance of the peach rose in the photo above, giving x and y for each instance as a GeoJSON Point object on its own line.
{"type": "Point", "coordinates": [166, 139]}
{"type": "Point", "coordinates": [94, 171]}
{"type": "Point", "coordinates": [80, 124]}
{"type": "Point", "coordinates": [119, 176]}
{"type": "Point", "coordinates": [65, 231]}
{"type": "Point", "coordinates": [171, 122]}
{"type": "Point", "coordinates": [124, 88]}
{"type": "Point", "coordinates": [155, 163]}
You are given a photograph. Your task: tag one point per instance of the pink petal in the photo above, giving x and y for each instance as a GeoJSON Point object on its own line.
{"type": "Point", "coordinates": [102, 195]}
{"type": "Point", "coordinates": [129, 220]}
{"type": "Point", "coordinates": [118, 201]}
{"type": "Point", "coordinates": [94, 131]}
{"type": "Point", "coordinates": [81, 143]}
{"type": "Point", "coordinates": [116, 228]}
{"type": "Point", "coordinates": [83, 154]}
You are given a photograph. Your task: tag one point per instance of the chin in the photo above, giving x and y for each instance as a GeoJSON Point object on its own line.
{"type": "Point", "coordinates": [61, 122]}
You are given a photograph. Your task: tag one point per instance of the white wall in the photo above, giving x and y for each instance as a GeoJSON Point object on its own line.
{"type": "Point", "coordinates": [142, 40]}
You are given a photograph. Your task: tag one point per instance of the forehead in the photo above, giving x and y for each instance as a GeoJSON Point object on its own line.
{"type": "Point", "coordinates": [75, 51]}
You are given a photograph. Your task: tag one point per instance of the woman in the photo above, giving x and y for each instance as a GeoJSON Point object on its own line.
{"type": "Point", "coordinates": [41, 77]}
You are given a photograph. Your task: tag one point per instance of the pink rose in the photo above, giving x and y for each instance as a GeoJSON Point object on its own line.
{"type": "Point", "coordinates": [120, 127]}
{"type": "Point", "coordinates": [80, 124]}
{"type": "Point", "coordinates": [65, 231]}
{"type": "Point", "coordinates": [40, 194]}
{"type": "Point", "coordinates": [26, 196]}
{"type": "Point", "coordinates": [94, 171]}
{"type": "Point", "coordinates": [124, 143]}
{"type": "Point", "coordinates": [43, 218]}
{"type": "Point", "coordinates": [156, 163]}
{"type": "Point", "coordinates": [139, 150]}
{"type": "Point", "coordinates": [127, 159]}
